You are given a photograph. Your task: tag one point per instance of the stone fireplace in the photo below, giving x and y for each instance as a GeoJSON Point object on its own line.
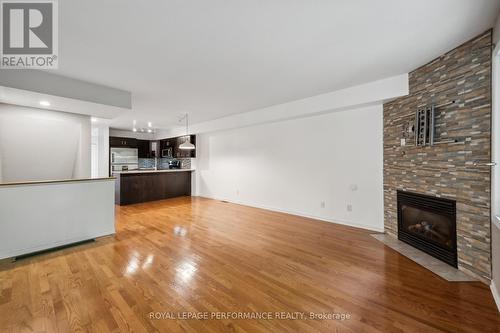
{"type": "Point", "coordinates": [453, 170]}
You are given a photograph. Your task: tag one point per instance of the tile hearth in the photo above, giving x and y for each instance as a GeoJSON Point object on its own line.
{"type": "Point", "coordinates": [436, 266]}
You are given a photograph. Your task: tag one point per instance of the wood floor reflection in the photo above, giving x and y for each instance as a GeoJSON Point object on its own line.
{"type": "Point", "coordinates": [190, 256]}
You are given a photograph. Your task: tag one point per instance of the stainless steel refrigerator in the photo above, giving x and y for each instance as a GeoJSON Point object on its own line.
{"type": "Point", "coordinates": [123, 159]}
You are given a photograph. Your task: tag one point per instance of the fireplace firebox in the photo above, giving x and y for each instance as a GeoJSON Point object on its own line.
{"type": "Point", "coordinates": [429, 224]}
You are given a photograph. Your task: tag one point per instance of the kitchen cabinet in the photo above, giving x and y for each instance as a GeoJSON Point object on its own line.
{"type": "Point", "coordinates": [180, 153]}
{"type": "Point", "coordinates": [144, 149]}
{"type": "Point", "coordinates": [115, 141]}
{"type": "Point", "coordinates": [136, 187]}
{"type": "Point", "coordinates": [166, 143]}
{"type": "Point", "coordinates": [167, 147]}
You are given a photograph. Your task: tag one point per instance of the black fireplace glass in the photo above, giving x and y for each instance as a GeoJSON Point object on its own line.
{"type": "Point", "coordinates": [433, 227]}
{"type": "Point", "coordinates": [429, 224]}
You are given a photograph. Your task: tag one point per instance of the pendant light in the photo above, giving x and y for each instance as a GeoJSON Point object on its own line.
{"type": "Point", "coordinates": [187, 145]}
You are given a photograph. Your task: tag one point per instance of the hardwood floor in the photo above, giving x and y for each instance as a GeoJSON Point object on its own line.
{"type": "Point", "coordinates": [193, 255]}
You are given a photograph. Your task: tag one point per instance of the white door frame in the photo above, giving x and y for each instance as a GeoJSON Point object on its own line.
{"type": "Point", "coordinates": [495, 172]}
{"type": "Point", "coordinates": [495, 135]}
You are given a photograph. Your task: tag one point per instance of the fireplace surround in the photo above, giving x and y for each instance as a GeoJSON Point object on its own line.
{"type": "Point", "coordinates": [455, 167]}
{"type": "Point", "coordinates": [429, 224]}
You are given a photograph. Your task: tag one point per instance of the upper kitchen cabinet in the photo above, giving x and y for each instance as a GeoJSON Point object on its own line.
{"type": "Point", "coordinates": [144, 149]}
{"type": "Point", "coordinates": [115, 141]}
{"type": "Point", "coordinates": [180, 153]}
{"type": "Point", "coordinates": [167, 147]}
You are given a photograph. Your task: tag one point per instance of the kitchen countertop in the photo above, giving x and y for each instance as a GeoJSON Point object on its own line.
{"type": "Point", "coordinates": [56, 181]}
{"type": "Point", "coordinates": [152, 171]}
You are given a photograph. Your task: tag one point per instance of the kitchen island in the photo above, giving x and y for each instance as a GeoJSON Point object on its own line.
{"type": "Point", "coordinates": [149, 185]}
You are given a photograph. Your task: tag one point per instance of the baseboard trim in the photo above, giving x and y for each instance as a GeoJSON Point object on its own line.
{"type": "Point", "coordinates": [496, 294]}
{"type": "Point", "coordinates": [273, 209]}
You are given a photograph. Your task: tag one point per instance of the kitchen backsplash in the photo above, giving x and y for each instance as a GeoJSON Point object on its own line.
{"type": "Point", "coordinates": [185, 163]}
{"type": "Point", "coordinates": [149, 163]}
{"type": "Point", "coordinates": [146, 163]}
{"type": "Point", "coordinates": [163, 162]}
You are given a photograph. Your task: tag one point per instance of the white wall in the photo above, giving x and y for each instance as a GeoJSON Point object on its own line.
{"type": "Point", "coordinates": [103, 151]}
{"type": "Point", "coordinates": [495, 175]}
{"type": "Point", "coordinates": [496, 30]}
{"type": "Point", "coordinates": [100, 138]}
{"type": "Point", "coordinates": [495, 250]}
{"type": "Point", "coordinates": [35, 217]}
{"type": "Point", "coordinates": [294, 165]}
{"type": "Point", "coordinates": [38, 144]}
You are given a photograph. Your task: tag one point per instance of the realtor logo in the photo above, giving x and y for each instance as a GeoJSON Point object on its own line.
{"type": "Point", "coordinates": [29, 34]}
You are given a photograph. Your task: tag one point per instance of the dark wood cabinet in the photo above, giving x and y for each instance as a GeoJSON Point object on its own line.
{"type": "Point", "coordinates": [169, 143]}
{"type": "Point", "coordinates": [180, 153]}
{"type": "Point", "coordinates": [144, 149]}
{"type": "Point", "coordinates": [168, 148]}
{"type": "Point", "coordinates": [115, 141]}
{"type": "Point", "coordinates": [139, 187]}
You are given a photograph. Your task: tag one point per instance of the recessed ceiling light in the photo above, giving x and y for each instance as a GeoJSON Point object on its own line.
{"type": "Point", "coordinates": [134, 129]}
{"type": "Point", "coordinates": [149, 130]}
{"type": "Point", "coordinates": [44, 103]}
{"type": "Point", "coordinates": [93, 119]}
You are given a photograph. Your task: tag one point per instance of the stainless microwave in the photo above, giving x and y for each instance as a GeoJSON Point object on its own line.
{"type": "Point", "coordinates": [167, 152]}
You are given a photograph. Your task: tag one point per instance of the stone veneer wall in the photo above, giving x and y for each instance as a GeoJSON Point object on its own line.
{"type": "Point", "coordinates": [447, 170]}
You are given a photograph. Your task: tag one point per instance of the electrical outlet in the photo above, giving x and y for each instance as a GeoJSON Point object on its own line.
{"type": "Point", "coordinates": [237, 192]}
{"type": "Point", "coordinates": [349, 208]}
{"type": "Point", "coordinates": [322, 204]}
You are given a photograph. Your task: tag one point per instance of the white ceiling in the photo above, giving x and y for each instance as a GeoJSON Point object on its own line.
{"type": "Point", "coordinates": [216, 58]}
